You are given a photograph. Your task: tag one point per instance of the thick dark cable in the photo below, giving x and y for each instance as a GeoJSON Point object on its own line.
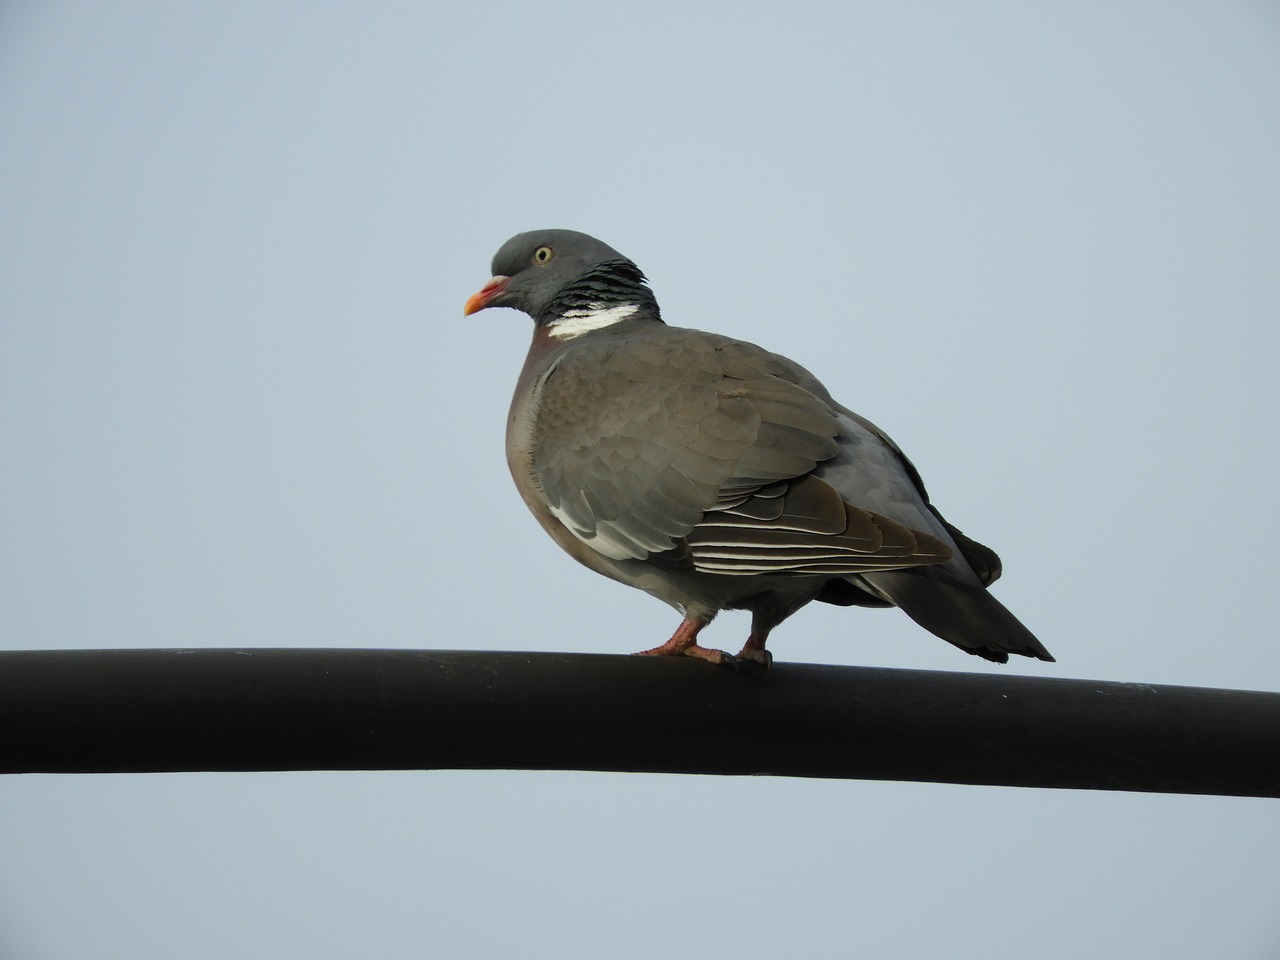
{"type": "Point", "coordinates": [99, 711]}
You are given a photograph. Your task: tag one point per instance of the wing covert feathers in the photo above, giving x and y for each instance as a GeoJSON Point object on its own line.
{"type": "Point", "coordinates": [807, 528]}
{"type": "Point", "coordinates": [638, 437]}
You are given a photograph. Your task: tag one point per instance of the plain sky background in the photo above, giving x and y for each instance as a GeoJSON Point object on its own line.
{"type": "Point", "coordinates": [240, 406]}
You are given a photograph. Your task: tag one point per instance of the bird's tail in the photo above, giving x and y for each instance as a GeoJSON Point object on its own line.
{"type": "Point", "coordinates": [958, 611]}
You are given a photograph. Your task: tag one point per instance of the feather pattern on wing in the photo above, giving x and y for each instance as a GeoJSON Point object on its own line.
{"type": "Point", "coordinates": [808, 529]}
{"type": "Point", "coordinates": [699, 450]}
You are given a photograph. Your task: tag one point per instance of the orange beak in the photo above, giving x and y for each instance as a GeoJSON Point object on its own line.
{"type": "Point", "coordinates": [488, 293]}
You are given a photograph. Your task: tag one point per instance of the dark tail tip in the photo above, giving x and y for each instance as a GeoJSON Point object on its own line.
{"type": "Point", "coordinates": [960, 613]}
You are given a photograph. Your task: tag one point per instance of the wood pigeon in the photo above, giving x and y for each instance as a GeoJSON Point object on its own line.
{"type": "Point", "coordinates": [714, 474]}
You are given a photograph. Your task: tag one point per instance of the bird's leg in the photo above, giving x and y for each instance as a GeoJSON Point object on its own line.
{"type": "Point", "coordinates": [763, 619]}
{"type": "Point", "coordinates": [754, 650]}
{"type": "Point", "coordinates": [684, 643]}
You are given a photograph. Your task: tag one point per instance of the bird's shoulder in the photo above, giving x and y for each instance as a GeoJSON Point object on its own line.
{"type": "Point", "coordinates": [670, 389]}
{"type": "Point", "coordinates": [668, 372]}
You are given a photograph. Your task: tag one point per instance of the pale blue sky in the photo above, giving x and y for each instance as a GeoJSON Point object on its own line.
{"type": "Point", "coordinates": [239, 405]}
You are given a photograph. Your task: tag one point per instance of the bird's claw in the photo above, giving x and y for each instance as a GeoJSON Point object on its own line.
{"type": "Point", "coordinates": [756, 653]}
{"type": "Point", "coordinates": [709, 654]}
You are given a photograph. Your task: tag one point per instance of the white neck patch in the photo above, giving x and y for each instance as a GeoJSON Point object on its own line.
{"type": "Point", "coordinates": [574, 323]}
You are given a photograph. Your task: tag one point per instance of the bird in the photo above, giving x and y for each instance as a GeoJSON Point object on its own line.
{"type": "Point", "coordinates": [716, 475]}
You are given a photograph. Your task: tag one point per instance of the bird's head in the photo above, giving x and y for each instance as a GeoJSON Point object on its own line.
{"type": "Point", "coordinates": [549, 274]}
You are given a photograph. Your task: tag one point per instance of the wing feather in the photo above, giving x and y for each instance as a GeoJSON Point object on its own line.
{"type": "Point", "coordinates": [697, 450]}
{"type": "Point", "coordinates": [814, 531]}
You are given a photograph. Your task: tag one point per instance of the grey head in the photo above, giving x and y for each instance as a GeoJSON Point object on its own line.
{"type": "Point", "coordinates": [549, 274]}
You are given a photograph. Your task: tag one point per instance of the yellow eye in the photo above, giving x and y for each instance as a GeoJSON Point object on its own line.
{"type": "Point", "coordinates": [543, 255]}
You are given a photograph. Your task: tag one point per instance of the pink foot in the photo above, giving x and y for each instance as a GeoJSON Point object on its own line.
{"type": "Point", "coordinates": [755, 652]}
{"type": "Point", "coordinates": [684, 643]}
